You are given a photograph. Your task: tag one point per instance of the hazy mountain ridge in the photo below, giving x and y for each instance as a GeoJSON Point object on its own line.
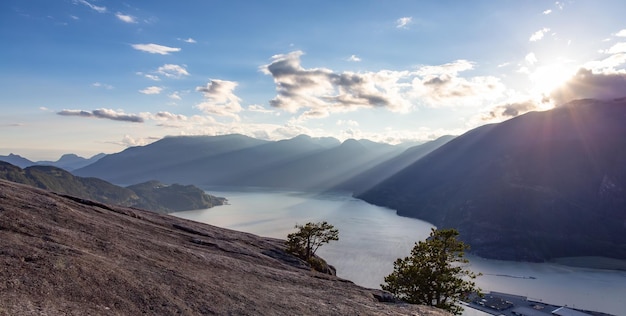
{"type": "Point", "coordinates": [71, 162]}
{"type": "Point", "coordinates": [151, 195]}
{"type": "Point", "coordinates": [542, 185]}
{"type": "Point", "coordinates": [374, 175]}
{"type": "Point", "coordinates": [62, 255]}
{"type": "Point", "coordinates": [17, 160]}
{"type": "Point", "coordinates": [68, 162]}
{"type": "Point", "coordinates": [236, 160]}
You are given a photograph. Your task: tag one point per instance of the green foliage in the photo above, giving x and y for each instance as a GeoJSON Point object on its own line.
{"type": "Point", "coordinates": [434, 273]}
{"type": "Point", "coordinates": [175, 197]}
{"type": "Point", "coordinates": [151, 195]}
{"type": "Point", "coordinates": [309, 237]}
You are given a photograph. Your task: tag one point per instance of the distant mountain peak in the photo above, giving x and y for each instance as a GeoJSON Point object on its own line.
{"type": "Point", "coordinates": [70, 156]}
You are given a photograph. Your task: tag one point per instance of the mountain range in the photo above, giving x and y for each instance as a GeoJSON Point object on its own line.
{"type": "Point", "coordinates": [68, 162]}
{"type": "Point", "coordinates": [151, 195]}
{"type": "Point", "coordinates": [302, 162]}
{"type": "Point", "coordinates": [538, 186]}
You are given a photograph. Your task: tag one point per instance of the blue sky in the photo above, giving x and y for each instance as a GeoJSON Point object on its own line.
{"type": "Point", "coordinates": [91, 76]}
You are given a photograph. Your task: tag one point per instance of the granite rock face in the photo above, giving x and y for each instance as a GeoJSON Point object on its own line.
{"type": "Point", "coordinates": [68, 256]}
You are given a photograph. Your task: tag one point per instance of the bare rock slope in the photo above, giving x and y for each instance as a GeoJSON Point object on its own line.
{"type": "Point", "coordinates": [61, 255]}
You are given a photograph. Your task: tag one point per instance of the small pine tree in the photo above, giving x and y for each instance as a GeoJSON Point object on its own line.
{"type": "Point", "coordinates": [434, 274]}
{"type": "Point", "coordinates": [309, 237]}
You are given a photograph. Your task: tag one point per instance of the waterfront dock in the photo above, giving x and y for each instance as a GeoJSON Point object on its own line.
{"type": "Point", "coordinates": [503, 304]}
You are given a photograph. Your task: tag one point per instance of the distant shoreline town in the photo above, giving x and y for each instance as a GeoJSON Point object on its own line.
{"type": "Point", "coordinates": [497, 303]}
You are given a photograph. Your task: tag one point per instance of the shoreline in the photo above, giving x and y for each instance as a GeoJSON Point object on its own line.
{"type": "Point", "coordinates": [589, 262]}
{"type": "Point", "coordinates": [592, 262]}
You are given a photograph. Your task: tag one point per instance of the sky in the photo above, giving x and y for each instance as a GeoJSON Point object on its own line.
{"type": "Point", "coordinates": [93, 76]}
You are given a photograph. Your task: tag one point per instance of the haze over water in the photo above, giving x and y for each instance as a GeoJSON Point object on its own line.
{"type": "Point", "coordinates": [372, 237]}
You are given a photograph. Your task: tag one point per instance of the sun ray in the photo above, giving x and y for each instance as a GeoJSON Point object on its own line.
{"type": "Point", "coordinates": [547, 78]}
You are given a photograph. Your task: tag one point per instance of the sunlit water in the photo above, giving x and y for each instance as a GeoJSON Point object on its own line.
{"type": "Point", "coordinates": [372, 237]}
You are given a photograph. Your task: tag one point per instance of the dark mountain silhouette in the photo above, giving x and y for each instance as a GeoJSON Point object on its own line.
{"type": "Point", "coordinates": [68, 162]}
{"type": "Point", "coordinates": [374, 175]}
{"type": "Point", "coordinates": [69, 256]}
{"type": "Point", "coordinates": [539, 186]}
{"type": "Point", "coordinates": [236, 160]}
{"type": "Point", "coordinates": [71, 162]}
{"type": "Point", "coordinates": [150, 195]}
{"type": "Point", "coordinates": [17, 160]}
{"type": "Point", "coordinates": [182, 157]}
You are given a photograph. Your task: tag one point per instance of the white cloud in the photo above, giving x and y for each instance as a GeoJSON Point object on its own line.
{"type": "Point", "coordinates": [220, 99]}
{"type": "Point", "coordinates": [443, 86]}
{"type": "Point", "coordinates": [102, 85]}
{"type": "Point", "coordinates": [531, 59]}
{"type": "Point", "coordinates": [188, 40]}
{"type": "Point", "coordinates": [546, 12]}
{"type": "Point", "coordinates": [129, 141]}
{"type": "Point", "coordinates": [354, 58]}
{"type": "Point", "coordinates": [173, 71]}
{"type": "Point", "coordinates": [347, 123]}
{"type": "Point", "coordinates": [126, 18]}
{"type": "Point", "coordinates": [151, 90]}
{"type": "Point", "coordinates": [539, 34]}
{"type": "Point", "coordinates": [319, 92]}
{"type": "Point", "coordinates": [616, 49]}
{"type": "Point", "coordinates": [155, 48]}
{"type": "Point", "coordinates": [560, 5]}
{"type": "Point", "coordinates": [258, 108]}
{"type": "Point", "coordinates": [152, 77]}
{"type": "Point", "coordinates": [607, 65]}
{"type": "Point", "coordinates": [91, 6]}
{"type": "Point", "coordinates": [621, 33]}
{"type": "Point", "coordinates": [175, 96]}
{"type": "Point", "coordinates": [104, 114]}
{"type": "Point", "coordinates": [403, 23]}
{"type": "Point", "coordinates": [167, 116]}
{"type": "Point", "coordinates": [452, 68]}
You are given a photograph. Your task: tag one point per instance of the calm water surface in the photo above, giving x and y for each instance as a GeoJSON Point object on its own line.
{"type": "Point", "coordinates": [372, 237]}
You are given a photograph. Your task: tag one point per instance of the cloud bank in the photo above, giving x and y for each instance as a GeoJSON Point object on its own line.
{"type": "Point", "coordinates": [589, 85]}
{"type": "Point", "coordinates": [321, 91]}
{"type": "Point", "coordinates": [104, 114]}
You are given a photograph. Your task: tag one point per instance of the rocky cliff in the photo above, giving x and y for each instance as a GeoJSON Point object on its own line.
{"type": "Point", "coordinates": [62, 255]}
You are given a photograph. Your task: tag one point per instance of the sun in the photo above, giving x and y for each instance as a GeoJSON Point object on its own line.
{"type": "Point", "coordinates": [547, 78]}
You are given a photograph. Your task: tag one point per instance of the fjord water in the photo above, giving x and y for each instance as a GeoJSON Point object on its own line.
{"type": "Point", "coordinates": [372, 237]}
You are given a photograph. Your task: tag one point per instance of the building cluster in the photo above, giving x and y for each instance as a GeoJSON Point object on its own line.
{"type": "Point", "coordinates": [502, 304]}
